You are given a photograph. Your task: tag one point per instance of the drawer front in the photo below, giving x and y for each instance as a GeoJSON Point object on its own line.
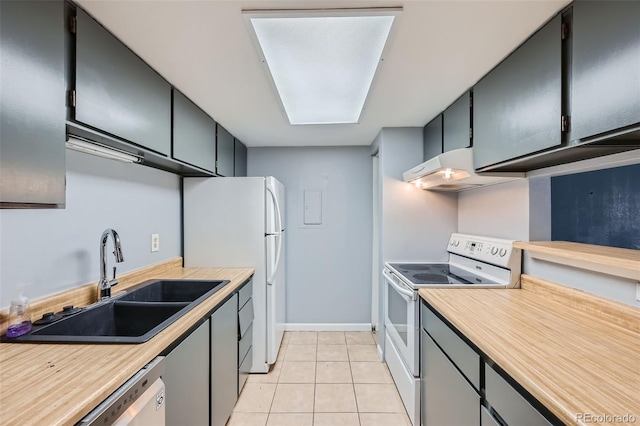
{"type": "Point", "coordinates": [509, 404]}
{"type": "Point", "coordinates": [245, 343]}
{"type": "Point", "coordinates": [245, 294]}
{"type": "Point", "coordinates": [244, 369]}
{"type": "Point", "coordinates": [465, 358]}
{"type": "Point", "coordinates": [447, 398]}
{"type": "Point", "coordinates": [245, 317]}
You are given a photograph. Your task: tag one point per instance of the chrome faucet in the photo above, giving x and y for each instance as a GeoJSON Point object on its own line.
{"type": "Point", "coordinates": [105, 284]}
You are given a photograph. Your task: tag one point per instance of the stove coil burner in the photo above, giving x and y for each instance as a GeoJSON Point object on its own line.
{"type": "Point", "coordinates": [415, 267]}
{"type": "Point", "coordinates": [432, 278]}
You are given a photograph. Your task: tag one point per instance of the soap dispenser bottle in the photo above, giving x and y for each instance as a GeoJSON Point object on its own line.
{"type": "Point", "coordinates": [19, 316]}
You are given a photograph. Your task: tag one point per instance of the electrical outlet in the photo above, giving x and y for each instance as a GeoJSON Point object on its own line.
{"type": "Point", "coordinates": [155, 242]}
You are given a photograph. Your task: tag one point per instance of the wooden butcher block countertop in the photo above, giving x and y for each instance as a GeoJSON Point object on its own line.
{"type": "Point", "coordinates": [573, 352]}
{"type": "Point", "coordinates": [58, 384]}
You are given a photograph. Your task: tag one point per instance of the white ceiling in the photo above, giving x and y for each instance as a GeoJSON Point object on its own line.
{"type": "Point", "coordinates": [436, 51]}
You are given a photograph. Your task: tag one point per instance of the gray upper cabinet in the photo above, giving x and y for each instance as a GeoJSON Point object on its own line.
{"type": "Point", "coordinates": [224, 153]}
{"type": "Point", "coordinates": [194, 134]}
{"type": "Point", "coordinates": [240, 159]}
{"type": "Point", "coordinates": [32, 104]}
{"type": "Point", "coordinates": [117, 92]}
{"type": "Point", "coordinates": [457, 124]}
{"type": "Point", "coordinates": [605, 67]}
{"type": "Point", "coordinates": [517, 106]}
{"type": "Point", "coordinates": [432, 138]}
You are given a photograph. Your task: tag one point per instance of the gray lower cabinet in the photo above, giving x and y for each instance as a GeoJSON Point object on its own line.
{"type": "Point", "coordinates": [194, 134]}
{"type": "Point", "coordinates": [117, 92]}
{"type": "Point", "coordinates": [224, 361]}
{"type": "Point", "coordinates": [245, 333]}
{"type": "Point", "coordinates": [186, 381]}
{"type": "Point", "coordinates": [432, 138]}
{"type": "Point", "coordinates": [239, 159]}
{"type": "Point", "coordinates": [224, 152]}
{"type": "Point", "coordinates": [605, 69]}
{"type": "Point", "coordinates": [32, 104]}
{"type": "Point", "coordinates": [457, 124]}
{"type": "Point", "coordinates": [517, 106]}
{"type": "Point", "coordinates": [460, 353]}
{"type": "Point", "coordinates": [447, 398]}
{"type": "Point", "coordinates": [508, 403]}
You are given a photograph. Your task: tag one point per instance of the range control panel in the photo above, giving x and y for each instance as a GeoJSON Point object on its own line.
{"type": "Point", "coordinates": [491, 250]}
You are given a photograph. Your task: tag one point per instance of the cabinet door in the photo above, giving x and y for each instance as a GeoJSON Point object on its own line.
{"type": "Point", "coordinates": [194, 134]}
{"type": "Point", "coordinates": [224, 361]}
{"type": "Point", "coordinates": [508, 403]}
{"type": "Point", "coordinates": [432, 138]}
{"type": "Point", "coordinates": [517, 106]}
{"type": "Point", "coordinates": [186, 381]}
{"type": "Point", "coordinates": [225, 147]}
{"type": "Point", "coordinates": [117, 92]}
{"type": "Point", "coordinates": [457, 124]}
{"type": "Point", "coordinates": [32, 103]}
{"type": "Point", "coordinates": [240, 159]}
{"type": "Point", "coordinates": [447, 398]}
{"type": "Point", "coordinates": [605, 69]}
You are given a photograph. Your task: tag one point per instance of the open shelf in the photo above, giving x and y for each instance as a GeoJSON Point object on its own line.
{"type": "Point", "coordinates": [620, 262]}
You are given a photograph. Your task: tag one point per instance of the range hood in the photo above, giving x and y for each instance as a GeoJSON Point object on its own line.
{"type": "Point", "coordinates": [453, 171]}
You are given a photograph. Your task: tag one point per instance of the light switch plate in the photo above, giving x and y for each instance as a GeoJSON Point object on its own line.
{"type": "Point", "coordinates": [638, 292]}
{"type": "Point", "coordinates": [155, 242]}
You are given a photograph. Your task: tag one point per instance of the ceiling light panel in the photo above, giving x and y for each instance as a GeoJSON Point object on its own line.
{"type": "Point", "coordinates": [322, 66]}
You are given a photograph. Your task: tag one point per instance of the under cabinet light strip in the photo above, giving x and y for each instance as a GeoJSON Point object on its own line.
{"type": "Point", "coordinates": [89, 147]}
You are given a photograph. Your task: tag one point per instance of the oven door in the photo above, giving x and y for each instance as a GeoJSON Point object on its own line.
{"type": "Point", "coordinates": [401, 319]}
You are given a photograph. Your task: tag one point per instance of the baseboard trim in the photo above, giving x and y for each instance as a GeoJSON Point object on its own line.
{"type": "Point", "coordinates": [327, 327]}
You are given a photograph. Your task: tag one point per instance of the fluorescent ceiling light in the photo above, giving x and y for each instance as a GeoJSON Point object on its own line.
{"type": "Point", "coordinates": [90, 147]}
{"type": "Point", "coordinates": [322, 63]}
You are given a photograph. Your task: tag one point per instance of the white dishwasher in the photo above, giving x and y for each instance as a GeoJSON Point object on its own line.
{"type": "Point", "coordinates": [139, 402]}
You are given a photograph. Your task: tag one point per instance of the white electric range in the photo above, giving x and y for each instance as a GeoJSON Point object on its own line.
{"type": "Point", "coordinates": [474, 262]}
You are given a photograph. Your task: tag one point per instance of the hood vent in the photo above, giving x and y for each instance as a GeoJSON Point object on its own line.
{"type": "Point", "coordinates": [453, 171]}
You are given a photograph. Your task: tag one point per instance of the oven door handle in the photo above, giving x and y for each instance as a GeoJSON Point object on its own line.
{"type": "Point", "coordinates": [397, 287]}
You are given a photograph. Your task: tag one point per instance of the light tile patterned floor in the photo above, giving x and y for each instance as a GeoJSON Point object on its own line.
{"type": "Point", "coordinates": [322, 379]}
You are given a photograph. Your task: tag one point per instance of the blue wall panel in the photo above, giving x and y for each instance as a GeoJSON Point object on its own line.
{"type": "Point", "coordinates": [600, 207]}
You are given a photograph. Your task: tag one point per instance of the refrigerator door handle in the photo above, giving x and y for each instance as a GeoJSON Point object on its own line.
{"type": "Point", "coordinates": [276, 263]}
{"type": "Point", "coordinates": [277, 206]}
{"type": "Point", "coordinates": [278, 234]}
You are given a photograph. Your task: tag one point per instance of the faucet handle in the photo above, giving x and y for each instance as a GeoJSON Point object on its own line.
{"type": "Point", "coordinates": [114, 281]}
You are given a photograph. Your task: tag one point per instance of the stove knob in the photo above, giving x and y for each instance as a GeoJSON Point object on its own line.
{"type": "Point", "coordinates": [456, 243]}
{"type": "Point", "coordinates": [494, 250]}
{"type": "Point", "coordinates": [503, 251]}
{"type": "Point", "coordinates": [47, 315]}
{"type": "Point", "coordinates": [451, 242]}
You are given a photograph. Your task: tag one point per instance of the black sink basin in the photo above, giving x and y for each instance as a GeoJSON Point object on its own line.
{"type": "Point", "coordinates": [171, 290]}
{"type": "Point", "coordinates": [116, 320]}
{"type": "Point", "coordinates": [133, 317]}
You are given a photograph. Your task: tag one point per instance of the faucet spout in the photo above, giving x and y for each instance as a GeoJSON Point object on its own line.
{"type": "Point", "coordinates": [105, 284]}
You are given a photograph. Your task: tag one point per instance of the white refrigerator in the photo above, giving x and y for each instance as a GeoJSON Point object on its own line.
{"type": "Point", "coordinates": [239, 222]}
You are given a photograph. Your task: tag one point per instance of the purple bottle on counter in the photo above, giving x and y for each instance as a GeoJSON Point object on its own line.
{"type": "Point", "coordinates": [19, 316]}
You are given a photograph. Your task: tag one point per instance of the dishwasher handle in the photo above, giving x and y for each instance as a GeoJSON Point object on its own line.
{"type": "Point", "coordinates": [112, 408]}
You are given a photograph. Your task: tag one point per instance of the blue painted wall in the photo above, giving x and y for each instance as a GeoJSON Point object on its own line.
{"type": "Point", "coordinates": [328, 268]}
{"type": "Point", "coordinates": [600, 207]}
{"type": "Point", "coordinates": [45, 251]}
